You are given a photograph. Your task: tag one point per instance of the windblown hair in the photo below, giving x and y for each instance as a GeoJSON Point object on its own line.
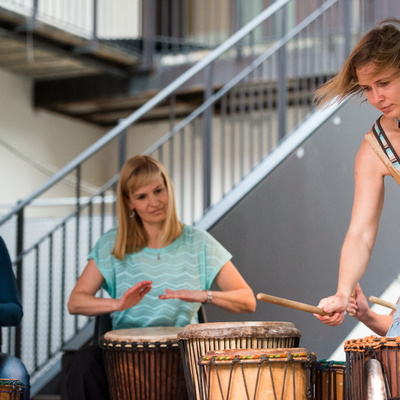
{"type": "Point", "coordinates": [380, 46]}
{"type": "Point", "coordinates": [131, 235]}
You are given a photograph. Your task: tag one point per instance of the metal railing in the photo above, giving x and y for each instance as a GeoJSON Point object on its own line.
{"type": "Point", "coordinates": [265, 94]}
{"type": "Point", "coordinates": [147, 27]}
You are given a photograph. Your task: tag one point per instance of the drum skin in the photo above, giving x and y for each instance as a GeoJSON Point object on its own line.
{"type": "Point", "coordinates": [11, 389]}
{"type": "Point", "coordinates": [144, 364]}
{"type": "Point", "coordinates": [198, 339]}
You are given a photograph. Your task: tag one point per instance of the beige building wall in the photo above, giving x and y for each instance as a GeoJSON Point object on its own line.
{"type": "Point", "coordinates": [35, 144]}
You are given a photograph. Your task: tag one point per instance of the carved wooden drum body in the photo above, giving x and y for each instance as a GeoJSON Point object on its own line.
{"type": "Point", "coordinates": [258, 374]}
{"type": "Point", "coordinates": [330, 380]}
{"type": "Point", "coordinates": [144, 364]}
{"type": "Point", "coordinates": [11, 389]}
{"type": "Point", "coordinates": [199, 339]}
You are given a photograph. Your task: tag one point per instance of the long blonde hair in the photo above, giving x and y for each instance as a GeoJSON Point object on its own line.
{"type": "Point", "coordinates": [131, 235]}
{"type": "Point", "coordinates": [380, 46]}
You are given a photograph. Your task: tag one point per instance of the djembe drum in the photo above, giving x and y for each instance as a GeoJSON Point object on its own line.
{"type": "Point", "coordinates": [258, 374]}
{"type": "Point", "coordinates": [361, 351]}
{"type": "Point", "coordinates": [144, 364]}
{"type": "Point", "coordinates": [196, 340]}
{"type": "Point", "coordinates": [330, 380]}
{"type": "Point", "coordinates": [11, 389]}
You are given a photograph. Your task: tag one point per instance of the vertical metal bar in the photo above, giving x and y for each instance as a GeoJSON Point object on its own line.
{"type": "Point", "coordinates": [193, 169]}
{"type": "Point", "coordinates": [50, 305]}
{"type": "Point", "coordinates": [36, 308]}
{"type": "Point", "coordinates": [237, 25]}
{"type": "Point", "coordinates": [63, 269]}
{"type": "Point", "coordinates": [172, 104]}
{"type": "Point", "coordinates": [233, 119]}
{"type": "Point", "coordinates": [223, 112]}
{"type": "Point", "coordinates": [175, 25]}
{"type": "Point", "coordinates": [121, 149]}
{"type": "Point", "coordinates": [114, 208]}
{"type": "Point", "coordinates": [19, 273]}
{"type": "Point", "coordinates": [90, 233]}
{"type": "Point", "coordinates": [77, 227]}
{"type": "Point", "coordinates": [242, 118]}
{"type": "Point", "coordinates": [33, 21]}
{"type": "Point", "coordinates": [346, 18]}
{"type": "Point", "coordinates": [164, 15]}
{"type": "Point", "coordinates": [260, 105]}
{"type": "Point", "coordinates": [182, 173]}
{"type": "Point", "coordinates": [102, 213]}
{"type": "Point", "coordinates": [282, 94]}
{"type": "Point", "coordinates": [251, 111]}
{"type": "Point", "coordinates": [148, 32]}
{"type": "Point", "coordinates": [94, 34]}
{"type": "Point", "coordinates": [207, 134]}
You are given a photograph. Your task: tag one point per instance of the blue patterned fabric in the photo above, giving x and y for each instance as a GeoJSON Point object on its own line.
{"type": "Point", "coordinates": [191, 262]}
{"type": "Point", "coordinates": [394, 329]}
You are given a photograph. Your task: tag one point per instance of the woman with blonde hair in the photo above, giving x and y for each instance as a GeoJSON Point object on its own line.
{"type": "Point", "coordinates": [156, 270]}
{"type": "Point", "coordinates": [372, 69]}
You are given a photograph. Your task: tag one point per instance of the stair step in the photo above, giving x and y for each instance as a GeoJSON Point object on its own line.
{"type": "Point", "coordinates": [47, 397]}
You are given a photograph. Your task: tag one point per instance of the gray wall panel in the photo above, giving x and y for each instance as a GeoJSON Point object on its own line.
{"type": "Point", "coordinates": [286, 235]}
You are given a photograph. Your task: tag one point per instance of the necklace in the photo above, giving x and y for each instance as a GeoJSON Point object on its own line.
{"type": "Point", "coordinates": [398, 122]}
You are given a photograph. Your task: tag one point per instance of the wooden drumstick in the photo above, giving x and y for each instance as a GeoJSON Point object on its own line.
{"type": "Point", "coordinates": [383, 303]}
{"type": "Point", "coordinates": [291, 304]}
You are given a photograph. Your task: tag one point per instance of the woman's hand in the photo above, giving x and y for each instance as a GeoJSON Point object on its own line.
{"type": "Point", "coordinates": [334, 304]}
{"type": "Point", "coordinates": [191, 296]}
{"type": "Point", "coordinates": [358, 306]}
{"type": "Point", "coordinates": [133, 295]}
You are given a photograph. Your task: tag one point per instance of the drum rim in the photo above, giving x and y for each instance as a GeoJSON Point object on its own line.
{"type": "Point", "coordinates": [264, 329]}
{"type": "Point", "coordinates": [169, 334]}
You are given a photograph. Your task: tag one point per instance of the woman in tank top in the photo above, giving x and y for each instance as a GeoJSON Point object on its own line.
{"type": "Point", "coordinates": [372, 69]}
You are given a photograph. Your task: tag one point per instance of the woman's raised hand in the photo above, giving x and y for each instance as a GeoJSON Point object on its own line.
{"type": "Point", "coordinates": [134, 295]}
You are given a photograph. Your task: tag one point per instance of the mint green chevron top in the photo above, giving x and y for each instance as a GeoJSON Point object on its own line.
{"type": "Point", "coordinates": [191, 262]}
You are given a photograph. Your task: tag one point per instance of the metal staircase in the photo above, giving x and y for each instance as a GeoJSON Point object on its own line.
{"type": "Point", "coordinates": [246, 124]}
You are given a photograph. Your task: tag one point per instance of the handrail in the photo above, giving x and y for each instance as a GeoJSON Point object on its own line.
{"type": "Point", "coordinates": [157, 99]}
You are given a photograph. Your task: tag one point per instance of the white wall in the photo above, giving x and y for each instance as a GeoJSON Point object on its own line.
{"type": "Point", "coordinates": [48, 139]}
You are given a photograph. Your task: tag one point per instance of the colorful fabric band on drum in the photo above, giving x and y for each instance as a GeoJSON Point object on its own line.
{"type": "Point", "coordinates": [14, 387]}
{"type": "Point", "coordinates": [386, 145]}
{"type": "Point", "coordinates": [257, 357]}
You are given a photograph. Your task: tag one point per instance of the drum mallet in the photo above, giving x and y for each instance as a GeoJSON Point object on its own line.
{"type": "Point", "coordinates": [383, 303]}
{"type": "Point", "coordinates": [291, 304]}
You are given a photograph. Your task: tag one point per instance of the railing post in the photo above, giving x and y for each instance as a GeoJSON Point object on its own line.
{"type": "Point", "coordinates": [207, 134]}
{"type": "Point", "coordinates": [94, 40]}
{"type": "Point", "coordinates": [19, 267]}
{"type": "Point", "coordinates": [121, 149]}
{"type": "Point", "coordinates": [347, 27]}
{"type": "Point", "coordinates": [77, 228]}
{"type": "Point", "coordinates": [149, 13]}
{"type": "Point", "coordinates": [282, 85]}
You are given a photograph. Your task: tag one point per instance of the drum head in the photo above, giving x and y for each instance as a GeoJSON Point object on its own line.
{"type": "Point", "coordinates": [141, 335]}
{"type": "Point", "coordinates": [259, 329]}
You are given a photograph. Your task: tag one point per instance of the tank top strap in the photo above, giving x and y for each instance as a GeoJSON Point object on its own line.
{"type": "Point", "coordinates": [385, 144]}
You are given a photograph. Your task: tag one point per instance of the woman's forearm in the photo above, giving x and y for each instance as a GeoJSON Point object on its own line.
{"type": "Point", "coordinates": [235, 301]}
{"type": "Point", "coordinates": [353, 263]}
{"type": "Point", "coordinates": [89, 305]}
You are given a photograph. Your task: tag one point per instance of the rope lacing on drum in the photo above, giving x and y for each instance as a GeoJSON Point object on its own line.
{"type": "Point", "coordinates": [219, 361]}
{"type": "Point", "coordinates": [129, 346]}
